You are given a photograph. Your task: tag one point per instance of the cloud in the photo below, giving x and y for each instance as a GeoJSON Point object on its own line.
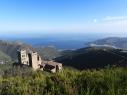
{"type": "Point", "coordinates": [109, 24]}
{"type": "Point", "coordinates": [110, 19]}
{"type": "Point", "coordinates": [114, 18]}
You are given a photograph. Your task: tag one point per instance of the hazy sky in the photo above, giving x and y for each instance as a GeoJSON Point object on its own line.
{"type": "Point", "coordinates": [41, 16]}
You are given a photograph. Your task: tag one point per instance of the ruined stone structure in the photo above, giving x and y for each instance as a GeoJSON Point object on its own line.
{"type": "Point", "coordinates": [34, 60]}
{"type": "Point", "coordinates": [30, 58]}
{"type": "Point", "coordinates": [23, 57]}
{"type": "Point", "coordinates": [52, 66]}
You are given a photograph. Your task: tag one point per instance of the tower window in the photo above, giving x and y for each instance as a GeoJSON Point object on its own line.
{"type": "Point", "coordinates": [38, 58]}
{"type": "Point", "coordinates": [23, 55]}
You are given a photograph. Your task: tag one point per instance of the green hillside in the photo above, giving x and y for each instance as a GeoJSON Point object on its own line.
{"type": "Point", "coordinates": [93, 57]}
{"type": "Point", "coordinates": [4, 57]}
{"type": "Point", "coordinates": [24, 81]}
{"type": "Point", "coordinates": [10, 48]}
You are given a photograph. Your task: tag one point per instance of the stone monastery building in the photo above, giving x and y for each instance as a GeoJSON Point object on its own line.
{"type": "Point", "coordinates": [34, 60]}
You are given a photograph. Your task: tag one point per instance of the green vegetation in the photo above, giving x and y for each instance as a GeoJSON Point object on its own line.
{"type": "Point", "coordinates": [25, 81]}
{"type": "Point", "coordinates": [4, 57]}
{"type": "Point", "coordinates": [93, 57]}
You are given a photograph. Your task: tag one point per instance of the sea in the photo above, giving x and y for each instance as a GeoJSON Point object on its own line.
{"type": "Point", "coordinates": [59, 40]}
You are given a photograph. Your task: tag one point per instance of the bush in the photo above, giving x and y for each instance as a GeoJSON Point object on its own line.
{"type": "Point", "coordinates": [25, 81]}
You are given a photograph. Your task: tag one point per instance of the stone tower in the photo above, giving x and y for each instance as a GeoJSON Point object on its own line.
{"type": "Point", "coordinates": [30, 58]}
{"type": "Point", "coordinates": [23, 57]}
{"type": "Point", "coordinates": [34, 60]}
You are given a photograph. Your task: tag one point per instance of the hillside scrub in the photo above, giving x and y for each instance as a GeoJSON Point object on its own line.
{"type": "Point", "coordinates": [25, 81]}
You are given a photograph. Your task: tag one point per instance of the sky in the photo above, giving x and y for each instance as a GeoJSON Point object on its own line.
{"type": "Point", "coordinates": [63, 16]}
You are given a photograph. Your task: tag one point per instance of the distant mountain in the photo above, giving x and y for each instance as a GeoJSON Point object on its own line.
{"type": "Point", "coordinates": [110, 42]}
{"type": "Point", "coordinates": [9, 49]}
{"type": "Point", "coordinates": [93, 57]}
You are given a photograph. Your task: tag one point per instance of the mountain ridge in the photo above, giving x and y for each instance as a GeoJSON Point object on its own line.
{"type": "Point", "coordinates": [117, 42]}
{"type": "Point", "coordinates": [94, 57]}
